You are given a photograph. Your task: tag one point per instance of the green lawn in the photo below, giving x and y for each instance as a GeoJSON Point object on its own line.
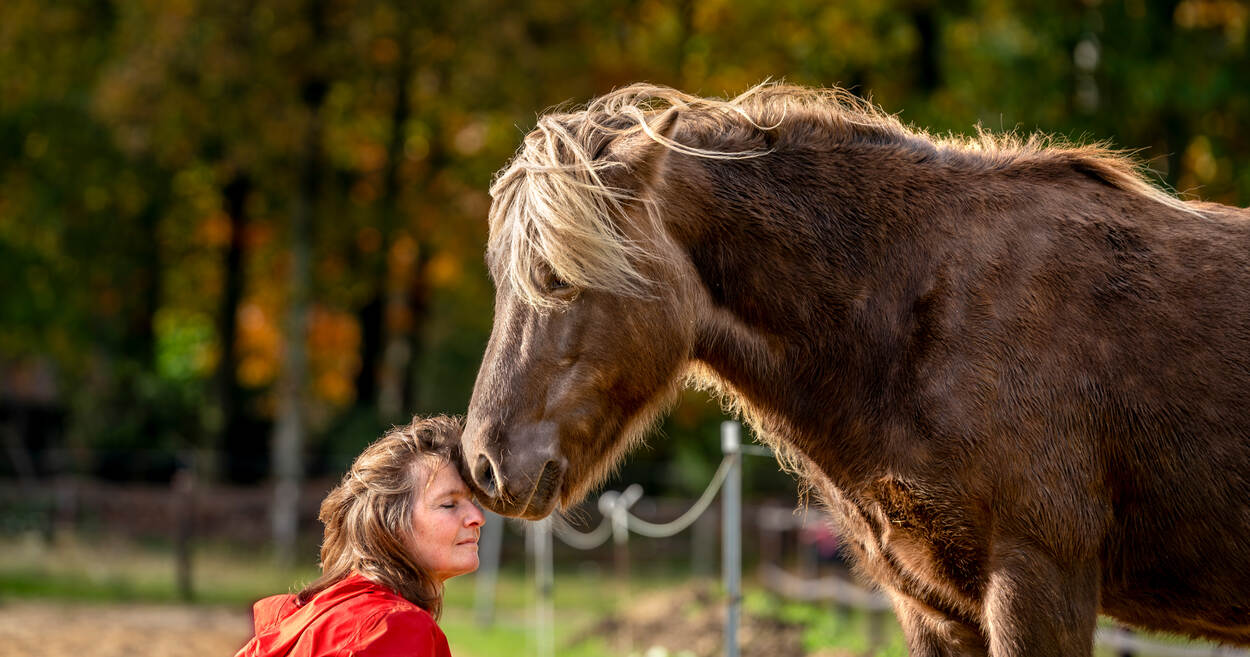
{"type": "Point", "coordinates": [112, 570]}
{"type": "Point", "coordinates": [88, 568]}
{"type": "Point", "coordinates": [106, 570]}
{"type": "Point", "coordinates": [109, 570]}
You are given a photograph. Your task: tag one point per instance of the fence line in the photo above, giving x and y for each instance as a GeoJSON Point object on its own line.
{"type": "Point", "coordinates": [682, 522]}
{"type": "Point", "coordinates": [615, 505]}
{"type": "Point", "coordinates": [1126, 642]}
{"type": "Point", "coordinates": [578, 540]}
{"type": "Point", "coordinates": [848, 594]}
{"type": "Point", "coordinates": [829, 588]}
{"type": "Point", "coordinates": [618, 522]}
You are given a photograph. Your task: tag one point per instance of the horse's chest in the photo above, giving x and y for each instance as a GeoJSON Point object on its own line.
{"type": "Point", "coordinates": [915, 542]}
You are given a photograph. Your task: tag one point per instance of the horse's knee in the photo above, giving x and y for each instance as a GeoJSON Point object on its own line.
{"type": "Point", "coordinates": [1035, 607]}
{"type": "Point", "coordinates": [930, 633]}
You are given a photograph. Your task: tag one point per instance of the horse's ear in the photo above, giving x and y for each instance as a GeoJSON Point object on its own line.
{"type": "Point", "coordinates": [643, 152]}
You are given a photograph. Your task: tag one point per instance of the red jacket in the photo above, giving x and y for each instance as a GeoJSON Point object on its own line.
{"type": "Point", "coordinates": [353, 618]}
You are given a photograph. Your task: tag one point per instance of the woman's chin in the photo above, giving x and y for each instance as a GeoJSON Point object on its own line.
{"type": "Point", "coordinates": [466, 567]}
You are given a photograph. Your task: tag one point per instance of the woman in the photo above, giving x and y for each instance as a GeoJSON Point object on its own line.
{"type": "Point", "coordinates": [400, 524]}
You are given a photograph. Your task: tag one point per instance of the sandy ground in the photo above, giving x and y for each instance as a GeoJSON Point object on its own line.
{"type": "Point", "coordinates": [54, 629]}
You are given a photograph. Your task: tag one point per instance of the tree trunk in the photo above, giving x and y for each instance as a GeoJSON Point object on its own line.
{"type": "Point", "coordinates": [370, 317]}
{"type": "Point", "coordinates": [418, 304]}
{"type": "Point", "coordinates": [289, 429]}
{"type": "Point", "coordinates": [397, 354]}
{"type": "Point", "coordinates": [927, 66]}
{"type": "Point", "coordinates": [225, 386]}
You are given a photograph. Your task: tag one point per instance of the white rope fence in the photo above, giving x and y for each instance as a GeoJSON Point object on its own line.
{"type": "Point", "coordinates": [618, 523]}
{"type": "Point", "coordinates": [581, 540]}
{"type": "Point", "coordinates": [615, 508]}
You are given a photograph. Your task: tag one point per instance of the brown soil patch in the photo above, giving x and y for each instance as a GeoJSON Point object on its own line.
{"type": "Point", "coordinates": [56, 629]}
{"type": "Point", "coordinates": [691, 622]}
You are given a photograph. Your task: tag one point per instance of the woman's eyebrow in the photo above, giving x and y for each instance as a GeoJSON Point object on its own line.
{"type": "Point", "coordinates": [450, 491]}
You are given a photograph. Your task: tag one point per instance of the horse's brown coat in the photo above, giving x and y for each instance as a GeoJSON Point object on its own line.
{"type": "Point", "coordinates": [1017, 377]}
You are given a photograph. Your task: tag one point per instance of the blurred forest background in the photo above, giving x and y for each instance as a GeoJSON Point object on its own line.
{"type": "Point", "coordinates": [244, 237]}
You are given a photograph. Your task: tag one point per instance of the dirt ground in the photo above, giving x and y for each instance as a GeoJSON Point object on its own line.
{"type": "Point", "coordinates": [691, 622]}
{"type": "Point", "coordinates": [57, 629]}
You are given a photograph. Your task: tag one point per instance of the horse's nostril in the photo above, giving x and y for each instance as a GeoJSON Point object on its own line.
{"type": "Point", "coordinates": [484, 475]}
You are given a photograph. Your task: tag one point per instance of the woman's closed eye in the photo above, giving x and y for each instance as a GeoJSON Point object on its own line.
{"type": "Point", "coordinates": [453, 501]}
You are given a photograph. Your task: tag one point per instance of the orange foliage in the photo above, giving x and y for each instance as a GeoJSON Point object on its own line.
{"type": "Point", "coordinates": [259, 344]}
{"type": "Point", "coordinates": [333, 354]}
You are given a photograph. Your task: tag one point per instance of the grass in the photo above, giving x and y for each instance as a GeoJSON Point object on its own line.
{"type": "Point", "coordinates": [578, 602]}
{"type": "Point", "coordinates": [828, 627]}
{"type": "Point", "coordinates": [110, 570]}
{"type": "Point", "coordinates": [101, 570]}
{"type": "Point", "coordinates": [88, 568]}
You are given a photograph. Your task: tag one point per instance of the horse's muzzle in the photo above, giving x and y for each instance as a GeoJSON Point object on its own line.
{"type": "Point", "coordinates": [516, 473]}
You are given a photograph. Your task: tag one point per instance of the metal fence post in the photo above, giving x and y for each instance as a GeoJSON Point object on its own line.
{"type": "Point", "coordinates": [488, 573]}
{"type": "Point", "coordinates": [183, 484]}
{"type": "Point", "coordinates": [543, 571]}
{"type": "Point", "coordinates": [732, 536]}
{"type": "Point", "coordinates": [539, 533]}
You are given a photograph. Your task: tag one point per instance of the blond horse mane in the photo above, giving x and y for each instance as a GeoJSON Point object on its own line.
{"type": "Point", "coordinates": [553, 209]}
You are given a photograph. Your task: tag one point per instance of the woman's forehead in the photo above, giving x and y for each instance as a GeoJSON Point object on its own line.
{"type": "Point", "coordinates": [437, 478]}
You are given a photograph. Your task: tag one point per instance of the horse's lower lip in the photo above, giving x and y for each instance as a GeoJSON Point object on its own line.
{"type": "Point", "coordinates": [543, 492]}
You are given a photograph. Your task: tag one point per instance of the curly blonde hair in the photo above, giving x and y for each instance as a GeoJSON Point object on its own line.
{"type": "Point", "coordinates": [368, 516]}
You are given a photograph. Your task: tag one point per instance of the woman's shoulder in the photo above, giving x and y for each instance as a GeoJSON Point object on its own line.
{"type": "Point", "coordinates": [397, 630]}
{"type": "Point", "coordinates": [352, 617]}
{"type": "Point", "coordinates": [385, 623]}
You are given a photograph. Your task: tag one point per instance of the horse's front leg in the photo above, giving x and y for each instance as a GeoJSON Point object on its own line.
{"type": "Point", "coordinates": [930, 633]}
{"type": "Point", "coordinates": [1038, 607]}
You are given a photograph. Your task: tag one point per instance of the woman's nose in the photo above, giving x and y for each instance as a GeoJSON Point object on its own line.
{"type": "Point", "coordinates": [475, 518]}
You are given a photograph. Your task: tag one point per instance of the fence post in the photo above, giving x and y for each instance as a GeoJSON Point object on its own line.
{"type": "Point", "coordinates": [539, 535]}
{"type": "Point", "coordinates": [731, 521]}
{"type": "Point", "coordinates": [183, 485]}
{"type": "Point", "coordinates": [615, 507]}
{"type": "Point", "coordinates": [619, 514]}
{"type": "Point", "coordinates": [488, 573]}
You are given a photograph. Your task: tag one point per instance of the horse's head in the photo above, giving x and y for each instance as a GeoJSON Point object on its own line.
{"type": "Point", "coordinates": [593, 323]}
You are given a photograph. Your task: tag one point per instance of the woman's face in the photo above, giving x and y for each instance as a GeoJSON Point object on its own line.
{"type": "Point", "coordinates": [445, 522]}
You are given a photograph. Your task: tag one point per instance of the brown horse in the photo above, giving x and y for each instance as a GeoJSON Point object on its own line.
{"type": "Point", "coordinates": [1017, 373]}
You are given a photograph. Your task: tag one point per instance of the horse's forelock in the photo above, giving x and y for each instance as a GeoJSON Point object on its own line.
{"type": "Point", "coordinates": [554, 207]}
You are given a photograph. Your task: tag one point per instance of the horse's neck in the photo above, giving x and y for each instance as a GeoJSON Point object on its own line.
{"type": "Point", "coordinates": [791, 392]}
{"type": "Point", "coordinates": [810, 291]}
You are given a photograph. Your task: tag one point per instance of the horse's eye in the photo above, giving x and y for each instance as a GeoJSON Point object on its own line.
{"type": "Point", "coordinates": [551, 283]}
